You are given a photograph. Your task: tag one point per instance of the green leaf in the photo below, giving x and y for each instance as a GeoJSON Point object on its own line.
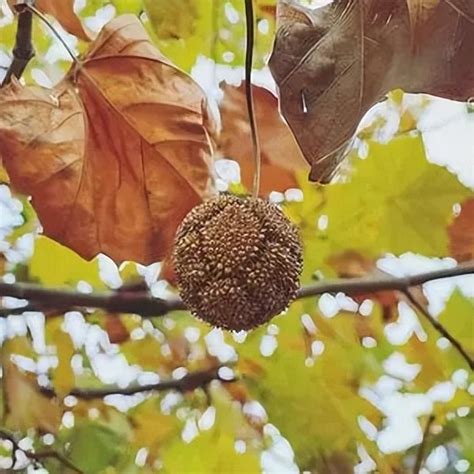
{"type": "Point", "coordinates": [396, 201]}
{"type": "Point", "coordinates": [93, 447]}
{"type": "Point", "coordinates": [127, 6]}
{"type": "Point", "coordinates": [189, 28]}
{"type": "Point", "coordinates": [458, 319]}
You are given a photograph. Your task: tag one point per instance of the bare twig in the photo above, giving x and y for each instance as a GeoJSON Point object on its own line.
{"type": "Point", "coordinates": [250, 26]}
{"type": "Point", "coordinates": [439, 327]}
{"type": "Point", "coordinates": [144, 304]}
{"type": "Point", "coordinates": [420, 456]}
{"type": "Point", "coordinates": [36, 456]}
{"type": "Point", "coordinates": [23, 50]}
{"type": "Point", "coordinates": [188, 383]}
{"type": "Point", "coordinates": [31, 8]}
{"type": "Point", "coordinates": [357, 286]}
{"type": "Point", "coordinates": [114, 302]}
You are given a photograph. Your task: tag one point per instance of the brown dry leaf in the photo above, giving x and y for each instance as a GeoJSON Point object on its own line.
{"type": "Point", "coordinates": [420, 11]}
{"type": "Point", "coordinates": [334, 63]}
{"type": "Point", "coordinates": [63, 11]}
{"type": "Point", "coordinates": [117, 154]}
{"type": "Point", "coordinates": [27, 408]}
{"type": "Point", "coordinates": [281, 157]}
{"type": "Point", "coordinates": [116, 329]}
{"type": "Point", "coordinates": [461, 233]}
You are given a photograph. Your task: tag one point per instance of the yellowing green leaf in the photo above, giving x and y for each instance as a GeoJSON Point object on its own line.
{"type": "Point", "coordinates": [152, 427]}
{"type": "Point", "coordinates": [63, 376]}
{"type": "Point", "coordinates": [396, 201]}
{"type": "Point", "coordinates": [55, 265]}
{"type": "Point", "coordinates": [213, 449]}
{"type": "Point", "coordinates": [313, 402]}
{"type": "Point", "coordinates": [189, 28]}
{"type": "Point", "coordinates": [94, 447]}
{"type": "Point", "coordinates": [128, 6]}
{"type": "Point", "coordinates": [458, 318]}
{"type": "Point", "coordinates": [27, 407]}
{"type": "Point", "coordinates": [210, 453]}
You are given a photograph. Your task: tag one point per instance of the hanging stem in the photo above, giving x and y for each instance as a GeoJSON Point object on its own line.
{"type": "Point", "coordinates": [43, 18]}
{"type": "Point", "coordinates": [439, 327]}
{"type": "Point", "coordinates": [421, 450]}
{"type": "Point", "coordinates": [250, 20]}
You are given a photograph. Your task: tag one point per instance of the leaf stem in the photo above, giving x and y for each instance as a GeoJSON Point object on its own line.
{"type": "Point", "coordinates": [421, 450]}
{"type": "Point", "coordinates": [43, 18]}
{"type": "Point", "coordinates": [188, 383]}
{"type": "Point", "coordinates": [439, 327]}
{"type": "Point", "coordinates": [144, 304]}
{"type": "Point", "coordinates": [250, 30]}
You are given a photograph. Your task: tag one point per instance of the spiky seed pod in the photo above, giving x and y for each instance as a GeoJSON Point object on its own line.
{"type": "Point", "coordinates": [237, 261]}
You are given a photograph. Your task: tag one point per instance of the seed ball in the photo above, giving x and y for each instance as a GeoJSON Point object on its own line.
{"type": "Point", "coordinates": [237, 261]}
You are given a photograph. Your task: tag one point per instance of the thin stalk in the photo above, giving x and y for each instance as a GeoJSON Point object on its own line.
{"type": "Point", "coordinates": [51, 27]}
{"type": "Point", "coordinates": [250, 21]}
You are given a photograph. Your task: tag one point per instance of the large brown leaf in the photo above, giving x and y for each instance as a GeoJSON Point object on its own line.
{"type": "Point", "coordinates": [333, 63]}
{"type": "Point", "coordinates": [63, 11]}
{"type": "Point", "coordinates": [281, 157]}
{"type": "Point", "coordinates": [114, 156]}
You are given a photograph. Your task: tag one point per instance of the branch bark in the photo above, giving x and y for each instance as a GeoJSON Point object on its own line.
{"type": "Point", "coordinates": [142, 303]}
{"type": "Point", "coordinates": [188, 383]}
{"type": "Point", "coordinates": [23, 51]}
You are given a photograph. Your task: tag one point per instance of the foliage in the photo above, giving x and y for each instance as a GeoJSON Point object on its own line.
{"type": "Point", "coordinates": [117, 147]}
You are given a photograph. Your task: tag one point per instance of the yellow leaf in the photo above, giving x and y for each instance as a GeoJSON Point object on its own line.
{"type": "Point", "coordinates": [63, 376]}
{"type": "Point", "coordinates": [152, 428]}
{"type": "Point", "coordinates": [55, 265]}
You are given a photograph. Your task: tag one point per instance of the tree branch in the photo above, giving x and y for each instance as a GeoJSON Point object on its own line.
{"type": "Point", "coordinates": [357, 286]}
{"type": "Point", "coordinates": [23, 51]}
{"type": "Point", "coordinates": [36, 456]}
{"type": "Point", "coordinates": [188, 383]}
{"type": "Point", "coordinates": [144, 304]}
{"type": "Point", "coordinates": [439, 327]}
{"type": "Point", "coordinates": [420, 456]}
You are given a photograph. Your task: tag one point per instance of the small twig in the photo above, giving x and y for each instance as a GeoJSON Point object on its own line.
{"type": "Point", "coordinates": [355, 286]}
{"type": "Point", "coordinates": [440, 328]}
{"type": "Point", "coordinates": [250, 28]}
{"type": "Point", "coordinates": [420, 456]}
{"type": "Point", "coordinates": [36, 456]}
{"type": "Point", "coordinates": [188, 383]}
{"type": "Point", "coordinates": [43, 18]}
{"type": "Point", "coordinates": [23, 51]}
{"type": "Point", "coordinates": [144, 304]}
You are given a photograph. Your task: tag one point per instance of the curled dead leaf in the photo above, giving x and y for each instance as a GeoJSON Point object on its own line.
{"type": "Point", "coordinates": [332, 64]}
{"type": "Point", "coordinates": [63, 12]}
{"type": "Point", "coordinates": [117, 154]}
{"type": "Point", "coordinates": [27, 407]}
{"type": "Point", "coordinates": [281, 157]}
